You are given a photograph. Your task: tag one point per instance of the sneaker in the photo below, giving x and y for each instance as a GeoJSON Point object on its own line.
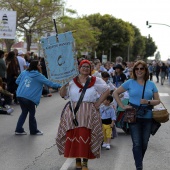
{"type": "Point", "coordinates": [7, 106]}
{"type": "Point", "coordinates": [38, 133]}
{"type": "Point", "coordinates": [9, 111]}
{"type": "Point", "coordinates": [108, 147]}
{"type": "Point", "coordinates": [104, 145]}
{"type": "Point", "coordinates": [21, 133]}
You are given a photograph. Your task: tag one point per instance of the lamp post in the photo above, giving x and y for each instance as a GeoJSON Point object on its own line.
{"type": "Point", "coordinates": [150, 24]}
{"type": "Point", "coordinates": [115, 44]}
{"type": "Point", "coordinates": [128, 52]}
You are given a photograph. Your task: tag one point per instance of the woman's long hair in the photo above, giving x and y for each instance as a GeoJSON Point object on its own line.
{"type": "Point", "coordinates": [34, 66]}
{"type": "Point", "coordinates": [146, 77]}
{"type": "Point", "coordinates": [13, 65]}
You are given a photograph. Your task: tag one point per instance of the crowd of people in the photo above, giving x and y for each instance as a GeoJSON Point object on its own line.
{"type": "Point", "coordinates": [12, 64]}
{"type": "Point", "coordinates": [114, 87]}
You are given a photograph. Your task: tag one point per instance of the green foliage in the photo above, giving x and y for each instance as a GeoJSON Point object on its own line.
{"type": "Point", "coordinates": [95, 32]}
{"type": "Point", "coordinates": [114, 31]}
{"type": "Point", "coordinates": [150, 47]}
{"type": "Point", "coordinates": [84, 34]}
{"type": "Point", "coordinates": [33, 16]}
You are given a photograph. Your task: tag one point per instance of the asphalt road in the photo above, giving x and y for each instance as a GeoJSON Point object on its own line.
{"type": "Point", "coordinates": [40, 152]}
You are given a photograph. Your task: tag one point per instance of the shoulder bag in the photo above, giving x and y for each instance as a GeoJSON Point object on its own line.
{"type": "Point", "coordinates": [130, 113]}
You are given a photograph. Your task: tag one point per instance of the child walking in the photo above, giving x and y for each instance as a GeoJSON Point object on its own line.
{"type": "Point", "coordinates": [108, 117]}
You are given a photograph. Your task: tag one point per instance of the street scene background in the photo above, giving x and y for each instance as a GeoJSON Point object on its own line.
{"type": "Point", "coordinates": [30, 152]}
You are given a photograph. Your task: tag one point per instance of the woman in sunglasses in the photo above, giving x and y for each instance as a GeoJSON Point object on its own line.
{"type": "Point", "coordinates": [140, 131]}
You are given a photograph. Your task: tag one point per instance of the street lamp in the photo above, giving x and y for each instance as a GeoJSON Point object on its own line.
{"type": "Point", "coordinates": [115, 44]}
{"type": "Point", "coordinates": [128, 52]}
{"type": "Point", "coordinates": [150, 24]}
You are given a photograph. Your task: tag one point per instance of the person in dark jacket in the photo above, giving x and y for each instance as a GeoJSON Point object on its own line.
{"type": "Point", "coordinates": [2, 66]}
{"type": "Point", "coordinates": [30, 83]}
{"type": "Point", "coordinates": [119, 77]}
{"type": "Point", "coordinates": [163, 70]}
{"type": "Point", "coordinates": [13, 71]}
{"type": "Point", "coordinates": [157, 70]}
{"type": "Point", "coordinates": [45, 91]}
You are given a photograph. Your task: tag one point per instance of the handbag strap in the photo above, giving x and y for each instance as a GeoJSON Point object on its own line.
{"type": "Point", "coordinates": [143, 90]}
{"type": "Point", "coordinates": [82, 95]}
{"type": "Point", "coordinates": [143, 93]}
{"type": "Point", "coordinates": [163, 105]}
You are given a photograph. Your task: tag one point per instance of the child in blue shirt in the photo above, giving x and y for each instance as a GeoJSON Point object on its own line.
{"type": "Point", "coordinates": [108, 117]}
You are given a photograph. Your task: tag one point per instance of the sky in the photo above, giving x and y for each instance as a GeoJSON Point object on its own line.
{"type": "Point", "coordinates": [136, 12]}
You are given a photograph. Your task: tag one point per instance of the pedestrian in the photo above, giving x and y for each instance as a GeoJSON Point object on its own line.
{"type": "Point", "coordinates": [108, 117]}
{"type": "Point", "coordinates": [163, 70]}
{"type": "Point", "coordinates": [82, 142]}
{"type": "Point", "coordinates": [5, 96]}
{"type": "Point", "coordinates": [157, 70]}
{"type": "Point", "coordinates": [120, 113]}
{"type": "Point", "coordinates": [97, 72]}
{"type": "Point", "coordinates": [140, 131]}
{"type": "Point", "coordinates": [168, 68]}
{"type": "Point", "coordinates": [46, 90]}
{"type": "Point", "coordinates": [119, 60]}
{"type": "Point", "coordinates": [119, 77]}
{"type": "Point", "coordinates": [3, 67]}
{"type": "Point", "coordinates": [13, 71]}
{"type": "Point", "coordinates": [105, 76]}
{"type": "Point", "coordinates": [150, 68]}
{"type": "Point", "coordinates": [21, 61]}
{"type": "Point", "coordinates": [30, 83]}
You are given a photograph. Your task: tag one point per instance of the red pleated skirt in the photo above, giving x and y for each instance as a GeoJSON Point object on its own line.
{"type": "Point", "coordinates": [78, 143]}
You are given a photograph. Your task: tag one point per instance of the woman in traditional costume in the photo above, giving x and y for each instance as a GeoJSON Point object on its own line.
{"type": "Point", "coordinates": [82, 142]}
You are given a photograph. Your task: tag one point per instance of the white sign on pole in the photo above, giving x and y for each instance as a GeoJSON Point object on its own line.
{"type": "Point", "coordinates": [104, 58]}
{"type": "Point", "coordinates": [7, 24]}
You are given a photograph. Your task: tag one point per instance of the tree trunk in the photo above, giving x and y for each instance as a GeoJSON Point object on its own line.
{"type": "Point", "coordinates": [9, 43]}
{"type": "Point", "coordinates": [28, 39]}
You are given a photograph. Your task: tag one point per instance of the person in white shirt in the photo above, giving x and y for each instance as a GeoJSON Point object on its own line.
{"type": "Point", "coordinates": [21, 61]}
{"type": "Point", "coordinates": [97, 72]}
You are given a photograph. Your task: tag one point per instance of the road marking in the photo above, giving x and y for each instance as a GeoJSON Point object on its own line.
{"type": "Point", "coordinates": [67, 164]}
{"type": "Point", "coordinates": [163, 94]}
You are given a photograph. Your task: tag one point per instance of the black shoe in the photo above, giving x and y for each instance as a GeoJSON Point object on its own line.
{"type": "Point", "coordinates": [37, 133]}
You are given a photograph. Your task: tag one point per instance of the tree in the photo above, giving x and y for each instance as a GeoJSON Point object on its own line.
{"type": "Point", "coordinates": [84, 34]}
{"type": "Point", "coordinates": [33, 16]}
{"type": "Point", "coordinates": [150, 47]}
{"type": "Point", "coordinates": [9, 43]}
{"type": "Point", "coordinates": [112, 31]}
{"type": "Point", "coordinates": [138, 47]}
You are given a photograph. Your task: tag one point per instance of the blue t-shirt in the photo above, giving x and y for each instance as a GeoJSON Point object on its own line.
{"type": "Point", "coordinates": [135, 93]}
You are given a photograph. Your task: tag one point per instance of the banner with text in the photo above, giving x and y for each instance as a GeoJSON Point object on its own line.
{"type": "Point", "coordinates": [60, 59]}
{"type": "Point", "coordinates": [7, 24]}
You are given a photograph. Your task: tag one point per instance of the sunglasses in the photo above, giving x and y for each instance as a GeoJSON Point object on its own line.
{"type": "Point", "coordinates": [85, 67]}
{"type": "Point", "coordinates": [140, 68]}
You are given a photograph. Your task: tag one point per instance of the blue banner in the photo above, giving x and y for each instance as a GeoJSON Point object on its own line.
{"type": "Point", "coordinates": [60, 58]}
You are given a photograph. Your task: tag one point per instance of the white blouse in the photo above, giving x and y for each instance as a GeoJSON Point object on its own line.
{"type": "Point", "coordinates": [92, 93]}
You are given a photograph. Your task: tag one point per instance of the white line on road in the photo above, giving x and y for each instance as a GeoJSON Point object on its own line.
{"type": "Point", "coordinates": [163, 94]}
{"type": "Point", "coordinates": [67, 164]}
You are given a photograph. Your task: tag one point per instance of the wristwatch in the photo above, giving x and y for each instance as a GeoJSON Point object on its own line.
{"type": "Point", "coordinates": [149, 102]}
